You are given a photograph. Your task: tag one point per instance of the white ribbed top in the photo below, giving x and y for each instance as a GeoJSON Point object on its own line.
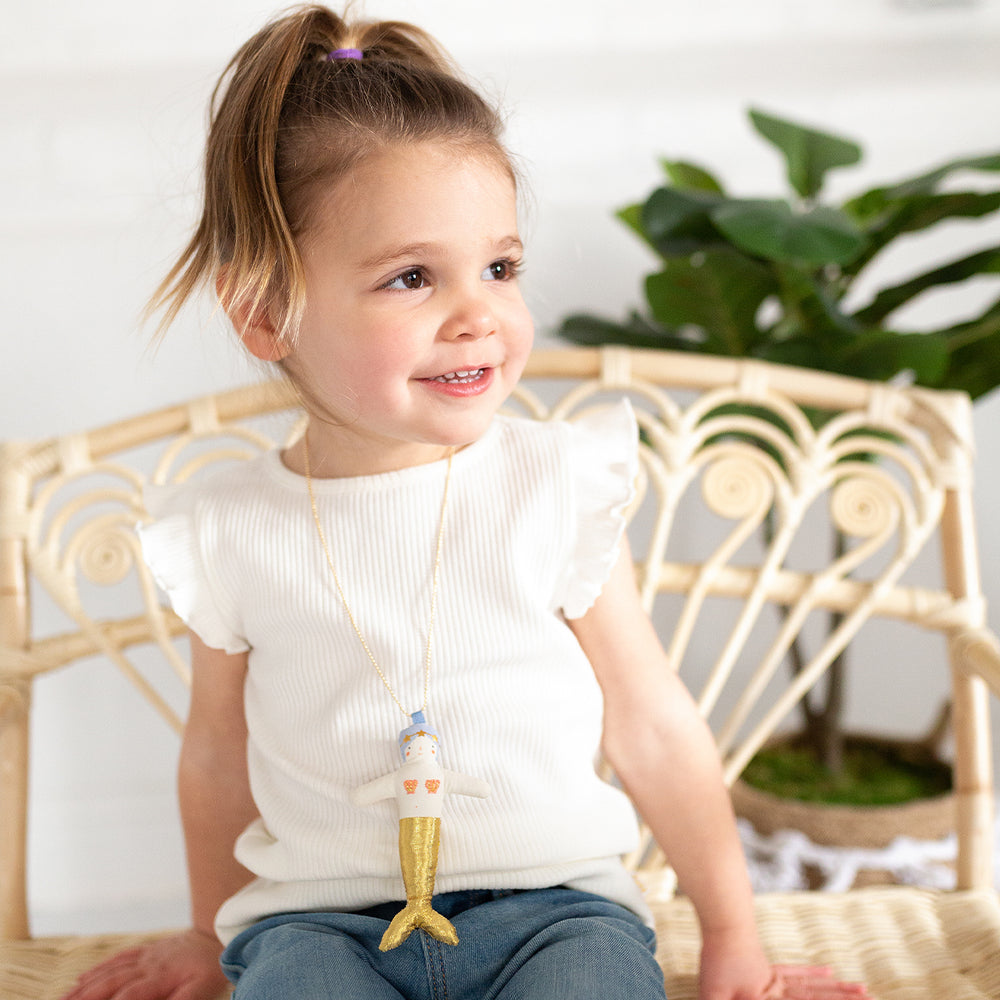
{"type": "Point", "coordinates": [533, 525]}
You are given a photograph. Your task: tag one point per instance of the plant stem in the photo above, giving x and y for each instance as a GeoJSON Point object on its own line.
{"type": "Point", "coordinates": [825, 727]}
{"type": "Point", "coordinates": [822, 725]}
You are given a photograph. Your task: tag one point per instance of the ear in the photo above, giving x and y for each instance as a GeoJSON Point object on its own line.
{"type": "Point", "coordinates": [254, 326]}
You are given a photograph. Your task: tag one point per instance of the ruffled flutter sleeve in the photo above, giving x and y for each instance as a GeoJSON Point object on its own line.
{"type": "Point", "coordinates": [604, 462]}
{"type": "Point", "coordinates": [172, 546]}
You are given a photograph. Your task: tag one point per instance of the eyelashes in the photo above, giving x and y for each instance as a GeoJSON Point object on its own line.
{"type": "Point", "coordinates": [505, 269]}
{"type": "Point", "coordinates": [409, 280]}
{"type": "Point", "coordinates": [415, 278]}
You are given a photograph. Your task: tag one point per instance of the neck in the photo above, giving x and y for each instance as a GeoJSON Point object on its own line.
{"type": "Point", "coordinates": [337, 459]}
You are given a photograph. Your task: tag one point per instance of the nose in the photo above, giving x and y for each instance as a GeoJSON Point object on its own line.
{"type": "Point", "coordinates": [470, 316]}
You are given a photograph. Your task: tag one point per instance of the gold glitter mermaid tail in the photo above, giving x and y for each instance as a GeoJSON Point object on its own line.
{"type": "Point", "coordinates": [419, 837]}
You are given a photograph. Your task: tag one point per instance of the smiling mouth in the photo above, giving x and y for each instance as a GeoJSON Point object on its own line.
{"type": "Point", "coordinates": [460, 377]}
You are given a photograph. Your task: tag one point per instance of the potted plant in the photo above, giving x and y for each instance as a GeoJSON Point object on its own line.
{"type": "Point", "coordinates": [784, 280]}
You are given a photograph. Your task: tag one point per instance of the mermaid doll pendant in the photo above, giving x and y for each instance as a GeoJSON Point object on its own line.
{"type": "Point", "coordinates": [419, 786]}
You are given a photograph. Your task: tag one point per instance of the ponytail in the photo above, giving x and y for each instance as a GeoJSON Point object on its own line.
{"type": "Point", "coordinates": [285, 118]}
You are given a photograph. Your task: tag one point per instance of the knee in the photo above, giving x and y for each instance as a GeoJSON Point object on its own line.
{"type": "Point", "coordinates": [291, 952]}
{"type": "Point", "coordinates": [596, 957]}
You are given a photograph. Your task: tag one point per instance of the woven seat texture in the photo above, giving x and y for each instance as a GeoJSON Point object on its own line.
{"type": "Point", "coordinates": [46, 968]}
{"type": "Point", "coordinates": [745, 467]}
{"type": "Point", "coordinates": [905, 944]}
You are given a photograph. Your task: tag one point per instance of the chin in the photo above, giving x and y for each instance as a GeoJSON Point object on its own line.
{"type": "Point", "coordinates": [466, 432]}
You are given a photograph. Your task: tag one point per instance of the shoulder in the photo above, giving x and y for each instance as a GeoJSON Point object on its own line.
{"type": "Point", "coordinates": [614, 421]}
{"type": "Point", "coordinates": [246, 479]}
{"type": "Point", "coordinates": [239, 485]}
{"type": "Point", "coordinates": [599, 443]}
{"type": "Point", "coordinates": [523, 455]}
{"type": "Point", "coordinates": [517, 431]}
{"type": "Point", "coordinates": [193, 541]}
{"type": "Point", "coordinates": [603, 434]}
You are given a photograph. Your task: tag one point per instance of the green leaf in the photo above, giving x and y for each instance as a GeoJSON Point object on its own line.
{"type": "Point", "coordinates": [882, 354]}
{"type": "Point", "coordinates": [718, 291]}
{"type": "Point", "coordinates": [975, 354]}
{"type": "Point", "coordinates": [866, 208]}
{"type": "Point", "coordinates": [678, 222]}
{"type": "Point", "coordinates": [631, 215]}
{"type": "Point", "coordinates": [888, 300]}
{"type": "Point", "coordinates": [919, 212]}
{"type": "Point", "coordinates": [808, 152]}
{"type": "Point", "coordinates": [812, 309]}
{"type": "Point", "coordinates": [690, 177]}
{"type": "Point", "coordinates": [915, 213]}
{"type": "Point", "coordinates": [636, 331]}
{"type": "Point", "coordinates": [924, 183]}
{"type": "Point", "coordinates": [804, 351]}
{"type": "Point", "coordinates": [771, 229]}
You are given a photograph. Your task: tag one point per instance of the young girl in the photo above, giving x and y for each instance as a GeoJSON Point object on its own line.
{"type": "Point", "coordinates": [414, 562]}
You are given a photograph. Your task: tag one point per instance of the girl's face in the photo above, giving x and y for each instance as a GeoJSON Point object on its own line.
{"type": "Point", "coordinates": [414, 329]}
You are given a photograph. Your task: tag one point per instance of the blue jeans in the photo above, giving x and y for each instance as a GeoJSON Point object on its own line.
{"type": "Point", "coordinates": [543, 944]}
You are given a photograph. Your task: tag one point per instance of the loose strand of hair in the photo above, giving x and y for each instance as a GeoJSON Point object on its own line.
{"type": "Point", "coordinates": [247, 100]}
{"type": "Point", "coordinates": [246, 239]}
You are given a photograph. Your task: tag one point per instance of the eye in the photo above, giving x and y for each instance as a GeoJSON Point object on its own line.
{"type": "Point", "coordinates": [502, 270]}
{"type": "Point", "coordinates": [409, 280]}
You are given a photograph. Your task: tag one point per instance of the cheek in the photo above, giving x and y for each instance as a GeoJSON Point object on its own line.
{"type": "Point", "coordinates": [528, 330]}
{"type": "Point", "coordinates": [522, 334]}
{"type": "Point", "coordinates": [519, 320]}
{"type": "Point", "coordinates": [346, 367]}
{"type": "Point", "coordinates": [390, 345]}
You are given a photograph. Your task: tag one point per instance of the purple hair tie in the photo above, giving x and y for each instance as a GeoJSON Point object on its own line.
{"type": "Point", "coordinates": [345, 54]}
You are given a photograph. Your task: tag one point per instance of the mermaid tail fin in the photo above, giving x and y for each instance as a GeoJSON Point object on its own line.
{"type": "Point", "coordinates": [419, 837]}
{"type": "Point", "coordinates": [414, 915]}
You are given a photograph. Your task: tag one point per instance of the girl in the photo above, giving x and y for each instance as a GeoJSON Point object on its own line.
{"type": "Point", "coordinates": [413, 552]}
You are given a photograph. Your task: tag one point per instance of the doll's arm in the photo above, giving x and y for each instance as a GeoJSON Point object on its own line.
{"type": "Point", "coordinates": [466, 784]}
{"type": "Point", "coordinates": [380, 788]}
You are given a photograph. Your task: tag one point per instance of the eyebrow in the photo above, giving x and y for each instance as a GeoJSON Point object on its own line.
{"type": "Point", "coordinates": [414, 251]}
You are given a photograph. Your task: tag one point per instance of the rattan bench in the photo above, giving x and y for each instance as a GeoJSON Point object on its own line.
{"type": "Point", "coordinates": [745, 468]}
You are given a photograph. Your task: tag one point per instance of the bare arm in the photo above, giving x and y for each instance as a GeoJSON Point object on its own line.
{"type": "Point", "coordinates": [666, 757]}
{"type": "Point", "coordinates": [213, 784]}
{"type": "Point", "coordinates": [216, 805]}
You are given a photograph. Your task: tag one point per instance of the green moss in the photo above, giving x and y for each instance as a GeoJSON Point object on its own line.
{"type": "Point", "coordinates": [874, 774]}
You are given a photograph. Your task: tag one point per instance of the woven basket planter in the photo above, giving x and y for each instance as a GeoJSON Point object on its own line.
{"type": "Point", "coordinates": [847, 826]}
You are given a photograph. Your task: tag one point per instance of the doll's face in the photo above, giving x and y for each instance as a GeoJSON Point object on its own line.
{"type": "Point", "coordinates": [421, 747]}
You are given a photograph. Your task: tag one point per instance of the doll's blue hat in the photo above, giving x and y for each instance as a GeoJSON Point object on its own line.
{"type": "Point", "coordinates": [419, 726]}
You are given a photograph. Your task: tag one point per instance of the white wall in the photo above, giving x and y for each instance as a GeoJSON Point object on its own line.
{"type": "Point", "coordinates": [102, 106]}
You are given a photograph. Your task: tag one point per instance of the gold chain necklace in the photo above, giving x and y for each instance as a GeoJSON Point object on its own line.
{"type": "Point", "coordinates": [420, 785]}
{"type": "Point", "coordinates": [343, 599]}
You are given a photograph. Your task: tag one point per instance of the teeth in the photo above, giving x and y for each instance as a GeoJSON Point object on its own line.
{"type": "Point", "coordinates": [462, 376]}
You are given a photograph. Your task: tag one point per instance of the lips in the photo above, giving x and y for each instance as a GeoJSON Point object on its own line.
{"type": "Point", "coordinates": [462, 381]}
{"type": "Point", "coordinates": [460, 377]}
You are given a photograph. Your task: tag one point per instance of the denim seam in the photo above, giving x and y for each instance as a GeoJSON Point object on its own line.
{"type": "Point", "coordinates": [434, 953]}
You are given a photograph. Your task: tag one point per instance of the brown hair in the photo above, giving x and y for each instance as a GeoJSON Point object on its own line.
{"type": "Point", "coordinates": [284, 119]}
